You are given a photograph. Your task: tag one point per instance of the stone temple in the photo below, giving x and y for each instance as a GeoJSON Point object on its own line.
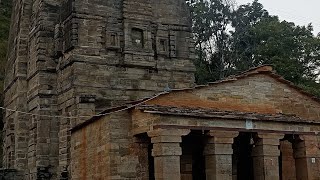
{"type": "Point", "coordinates": [104, 89]}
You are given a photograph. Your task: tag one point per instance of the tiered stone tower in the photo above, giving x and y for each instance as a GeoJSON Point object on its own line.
{"type": "Point", "coordinates": [76, 57]}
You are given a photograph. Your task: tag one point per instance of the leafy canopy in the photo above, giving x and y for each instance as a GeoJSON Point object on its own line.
{"type": "Point", "coordinates": [230, 40]}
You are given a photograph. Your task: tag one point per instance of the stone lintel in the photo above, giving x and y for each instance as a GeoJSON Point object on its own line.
{"type": "Point", "coordinates": [168, 132]}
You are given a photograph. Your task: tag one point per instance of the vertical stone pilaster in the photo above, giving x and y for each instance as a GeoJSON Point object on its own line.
{"type": "Point", "coordinates": [288, 161]}
{"type": "Point", "coordinates": [265, 157]}
{"type": "Point", "coordinates": [15, 134]}
{"type": "Point", "coordinates": [307, 157]}
{"type": "Point", "coordinates": [218, 155]}
{"type": "Point", "coordinates": [166, 152]}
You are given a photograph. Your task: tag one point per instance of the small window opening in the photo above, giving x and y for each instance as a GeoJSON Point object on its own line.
{"type": "Point", "coordinates": [163, 46]}
{"type": "Point", "coordinates": [137, 37]}
{"type": "Point", "coordinates": [113, 40]}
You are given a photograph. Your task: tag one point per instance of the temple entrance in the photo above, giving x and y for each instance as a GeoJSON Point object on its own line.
{"type": "Point", "coordinates": [287, 162]}
{"type": "Point", "coordinates": [192, 159]}
{"type": "Point", "coordinates": [242, 161]}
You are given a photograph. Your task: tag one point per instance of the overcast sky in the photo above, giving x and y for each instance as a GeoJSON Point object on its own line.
{"type": "Point", "coordinates": [301, 12]}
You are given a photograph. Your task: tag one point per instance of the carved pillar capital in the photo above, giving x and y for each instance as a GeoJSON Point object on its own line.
{"type": "Point", "coordinates": [268, 139]}
{"type": "Point", "coordinates": [167, 151]}
{"type": "Point", "coordinates": [306, 146]}
{"type": "Point", "coordinates": [168, 132]}
{"type": "Point", "coordinates": [221, 137]}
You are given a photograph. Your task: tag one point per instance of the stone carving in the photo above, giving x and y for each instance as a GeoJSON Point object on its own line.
{"type": "Point", "coordinates": [74, 58]}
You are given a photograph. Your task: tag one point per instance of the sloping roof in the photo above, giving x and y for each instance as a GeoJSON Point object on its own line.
{"type": "Point", "coordinates": [111, 110]}
{"type": "Point", "coordinates": [264, 69]}
{"type": "Point", "coordinates": [216, 113]}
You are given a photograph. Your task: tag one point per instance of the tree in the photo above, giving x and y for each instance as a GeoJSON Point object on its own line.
{"type": "Point", "coordinates": [257, 38]}
{"type": "Point", "coordinates": [293, 50]}
{"type": "Point", "coordinates": [243, 44]}
{"type": "Point", "coordinates": [211, 19]}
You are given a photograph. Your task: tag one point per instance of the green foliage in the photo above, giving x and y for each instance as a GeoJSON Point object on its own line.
{"type": "Point", "coordinates": [211, 19]}
{"type": "Point", "coordinates": [243, 43]}
{"type": "Point", "coordinates": [311, 87]}
{"type": "Point", "coordinates": [256, 38]}
{"type": "Point", "coordinates": [293, 50]}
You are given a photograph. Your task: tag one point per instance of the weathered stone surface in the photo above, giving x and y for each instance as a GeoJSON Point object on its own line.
{"type": "Point", "coordinates": [168, 126]}
{"type": "Point", "coordinates": [307, 157]}
{"type": "Point", "coordinates": [288, 161]}
{"type": "Point", "coordinates": [259, 93]}
{"type": "Point", "coordinates": [166, 152]}
{"type": "Point", "coordinates": [218, 155]}
{"type": "Point", "coordinates": [11, 174]}
{"type": "Point", "coordinates": [266, 156]}
{"type": "Point", "coordinates": [73, 58]}
{"type": "Point", "coordinates": [77, 58]}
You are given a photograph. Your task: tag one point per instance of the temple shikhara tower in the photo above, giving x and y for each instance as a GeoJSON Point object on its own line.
{"type": "Point", "coordinates": [76, 57]}
{"type": "Point", "coordinates": [104, 90]}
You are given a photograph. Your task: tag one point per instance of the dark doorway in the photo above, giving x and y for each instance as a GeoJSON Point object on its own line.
{"type": "Point", "coordinates": [242, 160]}
{"type": "Point", "coordinates": [192, 159]}
{"type": "Point", "coordinates": [280, 166]}
{"type": "Point", "coordinates": [151, 162]}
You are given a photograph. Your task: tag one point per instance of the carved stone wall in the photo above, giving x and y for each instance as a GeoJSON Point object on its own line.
{"type": "Point", "coordinates": [70, 58]}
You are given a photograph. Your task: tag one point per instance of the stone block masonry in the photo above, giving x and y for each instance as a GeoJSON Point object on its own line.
{"type": "Point", "coordinates": [80, 57]}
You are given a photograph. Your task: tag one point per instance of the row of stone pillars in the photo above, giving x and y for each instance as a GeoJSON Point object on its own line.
{"type": "Point", "coordinates": [218, 155]}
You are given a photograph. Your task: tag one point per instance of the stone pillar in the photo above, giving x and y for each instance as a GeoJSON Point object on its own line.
{"type": "Point", "coordinates": [142, 151]}
{"type": "Point", "coordinates": [186, 166]}
{"type": "Point", "coordinates": [288, 161]}
{"type": "Point", "coordinates": [218, 155]}
{"type": "Point", "coordinates": [307, 157]}
{"type": "Point", "coordinates": [265, 157]}
{"type": "Point", "coordinates": [166, 152]}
